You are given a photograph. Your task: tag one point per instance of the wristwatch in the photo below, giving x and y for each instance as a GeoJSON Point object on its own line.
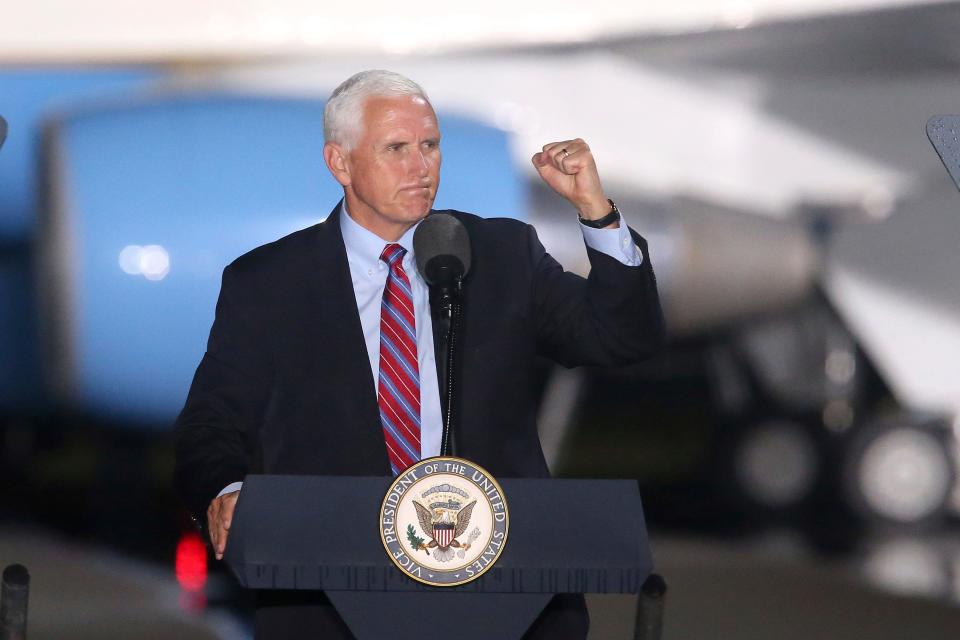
{"type": "Point", "coordinates": [605, 221]}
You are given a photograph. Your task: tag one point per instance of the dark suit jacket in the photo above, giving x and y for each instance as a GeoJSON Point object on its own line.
{"type": "Point", "coordinates": [285, 385]}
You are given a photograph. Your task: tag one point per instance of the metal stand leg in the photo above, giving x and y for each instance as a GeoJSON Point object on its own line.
{"type": "Point", "coordinates": [650, 604]}
{"type": "Point", "coordinates": [13, 603]}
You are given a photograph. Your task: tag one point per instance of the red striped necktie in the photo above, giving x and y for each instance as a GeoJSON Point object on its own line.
{"type": "Point", "coordinates": [398, 388]}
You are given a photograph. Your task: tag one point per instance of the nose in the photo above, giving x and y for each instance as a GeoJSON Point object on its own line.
{"type": "Point", "coordinates": [422, 165]}
{"type": "Point", "coordinates": [418, 164]}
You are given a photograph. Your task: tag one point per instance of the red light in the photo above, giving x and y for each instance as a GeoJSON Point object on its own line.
{"type": "Point", "coordinates": [191, 562]}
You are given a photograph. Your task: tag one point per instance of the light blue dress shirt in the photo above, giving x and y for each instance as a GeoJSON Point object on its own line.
{"type": "Point", "coordinates": [369, 276]}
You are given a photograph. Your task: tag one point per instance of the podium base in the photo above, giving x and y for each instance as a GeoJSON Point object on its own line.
{"type": "Point", "coordinates": [438, 615]}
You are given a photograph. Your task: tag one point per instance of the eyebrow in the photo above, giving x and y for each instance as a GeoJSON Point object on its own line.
{"type": "Point", "coordinates": [403, 141]}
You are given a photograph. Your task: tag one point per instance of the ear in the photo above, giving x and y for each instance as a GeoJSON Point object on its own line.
{"type": "Point", "coordinates": [336, 158]}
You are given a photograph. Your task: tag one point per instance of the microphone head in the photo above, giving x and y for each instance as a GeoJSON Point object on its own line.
{"type": "Point", "coordinates": [442, 248]}
{"type": "Point", "coordinates": [3, 130]}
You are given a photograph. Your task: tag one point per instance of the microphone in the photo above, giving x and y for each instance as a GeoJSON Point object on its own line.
{"type": "Point", "coordinates": [442, 249]}
{"type": "Point", "coordinates": [3, 130]}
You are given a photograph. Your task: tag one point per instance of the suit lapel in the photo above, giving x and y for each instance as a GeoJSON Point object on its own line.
{"type": "Point", "coordinates": [333, 313]}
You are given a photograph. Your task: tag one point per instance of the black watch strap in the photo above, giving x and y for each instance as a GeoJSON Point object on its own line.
{"type": "Point", "coordinates": [605, 221]}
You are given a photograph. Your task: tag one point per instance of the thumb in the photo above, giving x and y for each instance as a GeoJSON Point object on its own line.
{"type": "Point", "coordinates": [541, 162]}
{"type": "Point", "coordinates": [227, 517]}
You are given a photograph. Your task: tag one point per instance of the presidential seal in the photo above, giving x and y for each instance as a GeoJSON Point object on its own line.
{"type": "Point", "coordinates": [444, 521]}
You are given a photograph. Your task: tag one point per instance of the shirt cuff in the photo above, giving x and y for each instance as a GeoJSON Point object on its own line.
{"type": "Point", "coordinates": [230, 488]}
{"type": "Point", "coordinates": [616, 243]}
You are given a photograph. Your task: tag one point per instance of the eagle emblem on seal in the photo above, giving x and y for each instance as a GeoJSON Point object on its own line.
{"type": "Point", "coordinates": [444, 519]}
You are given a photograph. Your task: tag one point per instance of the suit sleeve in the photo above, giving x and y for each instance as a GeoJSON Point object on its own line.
{"type": "Point", "coordinates": [217, 427]}
{"type": "Point", "coordinates": [613, 317]}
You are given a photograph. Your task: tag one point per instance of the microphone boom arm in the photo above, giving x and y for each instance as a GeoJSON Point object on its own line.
{"type": "Point", "coordinates": [449, 310]}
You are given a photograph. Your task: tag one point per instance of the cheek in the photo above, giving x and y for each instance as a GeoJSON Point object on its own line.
{"type": "Point", "coordinates": [381, 180]}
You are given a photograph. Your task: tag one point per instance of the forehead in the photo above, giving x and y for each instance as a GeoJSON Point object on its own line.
{"type": "Point", "coordinates": [385, 114]}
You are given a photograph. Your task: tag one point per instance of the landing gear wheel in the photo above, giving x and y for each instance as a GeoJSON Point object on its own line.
{"type": "Point", "coordinates": [900, 473]}
{"type": "Point", "coordinates": [774, 467]}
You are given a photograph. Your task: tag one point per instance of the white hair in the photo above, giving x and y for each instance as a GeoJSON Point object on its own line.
{"type": "Point", "coordinates": [343, 115]}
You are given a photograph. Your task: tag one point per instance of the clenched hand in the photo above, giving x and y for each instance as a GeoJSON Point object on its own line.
{"type": "Point", "coordinates": [569, 168]}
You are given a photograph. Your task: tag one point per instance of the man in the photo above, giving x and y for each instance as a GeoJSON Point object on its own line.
{"type": "Point", "coordinates": [321, 357]}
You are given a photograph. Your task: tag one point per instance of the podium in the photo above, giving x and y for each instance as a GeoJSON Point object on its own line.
{"type": "Point", "coordinates": [322, 533]}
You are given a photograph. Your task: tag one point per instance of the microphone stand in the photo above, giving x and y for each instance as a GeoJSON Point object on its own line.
{"type": "Point", "coordinates": [449, 311]}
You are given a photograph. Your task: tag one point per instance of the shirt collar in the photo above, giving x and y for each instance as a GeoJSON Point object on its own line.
{"type": "Point", "coordinates": [364, 246]}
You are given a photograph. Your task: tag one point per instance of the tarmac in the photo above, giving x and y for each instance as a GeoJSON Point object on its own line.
{"type": "Point", "coordinates": [78, 592]}
{"type": "Point", "coordinates": [728, 591]}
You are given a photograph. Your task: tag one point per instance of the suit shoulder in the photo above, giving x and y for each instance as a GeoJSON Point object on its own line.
{"type": "Point", "coordinates": [280, 254]}
{"type": "Point", "coordinates": [504, 226]}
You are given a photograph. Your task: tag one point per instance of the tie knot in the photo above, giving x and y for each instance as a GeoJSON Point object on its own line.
{"type": "Point", "coordinates": [392, 254]}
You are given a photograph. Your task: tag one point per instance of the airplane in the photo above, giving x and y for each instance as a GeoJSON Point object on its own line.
{"type": "Point", "coordinates": [801, 231]}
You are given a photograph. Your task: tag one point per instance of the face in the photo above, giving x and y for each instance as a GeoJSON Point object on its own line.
{"type": "Point", "coordinates": [391, 175]}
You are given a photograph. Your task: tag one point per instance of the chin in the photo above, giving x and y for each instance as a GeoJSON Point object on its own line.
{"type": "Point", "coordinates": [416, 213]}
